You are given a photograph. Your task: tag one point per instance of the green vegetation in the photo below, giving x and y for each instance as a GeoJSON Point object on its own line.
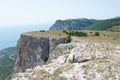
{"type": "Point", "coordinates": [78, 24]}
{"type": "Point", "coordinates": [87, 24]}
{"type": "Point", "coordinates": [104, 24]}
{"type": "Point", "coordinates": [7, 62]}
{"type": "Point", "coordinates": [97, 34]}
{"type": "Point", "coordinates": [42, 30]}
{"type": "Point", "coordinates": [76, 33]}
{"type": "Point", "coordinates": [105, 36]}
{"type": "Point", "coordinates": [69, 39]}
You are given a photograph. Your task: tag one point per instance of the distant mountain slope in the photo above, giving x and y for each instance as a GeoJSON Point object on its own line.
{"type": "Point", "coordinates": [72, 24]}
{"type": "Point", "coordinates": [104, 24]}
{"type": "Point", "coordinates": [6, 62]}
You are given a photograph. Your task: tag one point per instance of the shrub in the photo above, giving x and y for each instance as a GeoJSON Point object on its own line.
{"type": "Point", "coordinates": [80, 34]}
{"type": "Point", "coordinates": [69, 39]}
{"type": "Point", "coordinates": [72, 33]}
{"type": "Point", "coordinates": [97, 34]}
{"type": "Point", "coordinates": [64, 31]}
{"type": "Point", "coordinates": [91, 32]}
{"type": "Point", "coordinates": [42, 30]}
{"type": "Point", "coordinates": [76, 33]}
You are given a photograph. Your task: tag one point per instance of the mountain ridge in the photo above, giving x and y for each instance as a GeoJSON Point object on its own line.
{"type": "Point", "coordinates": [104, 24]}
{"type": "Point", "coordinates": [85, 24]}
{"type": "Point", "coordinates": [72, 24]}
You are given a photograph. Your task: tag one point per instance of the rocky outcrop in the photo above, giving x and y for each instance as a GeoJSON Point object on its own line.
{"type": "Point", "coordinates": [60, 25]}
{"type": "Point", "coordinates": [34, 50]}
{"type": "Point", "coordinates": [72, 24]}
{"type": "Point", "coordinates": [82, 60]}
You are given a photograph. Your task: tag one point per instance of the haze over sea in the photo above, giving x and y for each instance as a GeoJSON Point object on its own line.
{"type": "Point", "coordinates": [10, 35]}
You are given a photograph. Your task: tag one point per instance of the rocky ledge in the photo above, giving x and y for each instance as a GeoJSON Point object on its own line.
{"type": "Point", "coordinates": [78, 60]}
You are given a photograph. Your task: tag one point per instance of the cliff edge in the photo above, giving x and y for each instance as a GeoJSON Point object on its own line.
{"type": "Point", "coordinates": [34, 48]}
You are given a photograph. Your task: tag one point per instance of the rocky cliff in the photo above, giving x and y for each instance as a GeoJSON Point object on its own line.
{"type": "Point", "coordinates": [72, 24]}
{"type": "Point", "coordinates": [34, 50]}
{"type": "Point", "coordinates": [83, 60]}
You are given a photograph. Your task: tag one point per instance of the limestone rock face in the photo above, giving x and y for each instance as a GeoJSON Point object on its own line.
{"type": "Point", "coordinates": [60, 25]}
{"type": "Point", "coordinates": [58, 51]}
{"type": "Point", "coordinates": [78, 61]}
{"type": "Point", "coordinates": [34, 50]}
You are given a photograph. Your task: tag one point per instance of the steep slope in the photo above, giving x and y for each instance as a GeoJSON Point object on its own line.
{"type": "Point", "coordinates": [72, 24]}
{"type": "Point", "coordinates": [104, 24]}
{"type": "Point", "coordinates": [6, 62]}
{"type": "Point", "coordinates": [33, 48]}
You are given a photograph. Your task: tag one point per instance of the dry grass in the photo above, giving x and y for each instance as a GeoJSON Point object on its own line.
{"type": "Point", "coordinates": [115, 28]}
{"type": "Point", "coordinates": [56, 34]}
{"type": "Point", "coordinates": [105, 36]}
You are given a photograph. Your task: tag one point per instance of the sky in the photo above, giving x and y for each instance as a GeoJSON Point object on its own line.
{"type": "Point", "coordinates": [27, 12]}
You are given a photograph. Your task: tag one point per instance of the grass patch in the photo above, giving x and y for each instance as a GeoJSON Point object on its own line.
{"type": "Point", "coordinates": [105, 36]}
{"type": "Point", "coordinates": [54, 34]}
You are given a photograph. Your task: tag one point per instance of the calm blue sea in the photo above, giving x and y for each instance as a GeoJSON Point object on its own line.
{"type": "Point", "coordinates": [10, 35]}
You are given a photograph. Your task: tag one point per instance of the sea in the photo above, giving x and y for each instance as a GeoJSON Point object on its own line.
{"type": "Point", "coordinates": [10, 35]}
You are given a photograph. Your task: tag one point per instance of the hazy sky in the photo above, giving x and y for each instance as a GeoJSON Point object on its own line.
{"type": "Point", "coordinates": [22, 12]}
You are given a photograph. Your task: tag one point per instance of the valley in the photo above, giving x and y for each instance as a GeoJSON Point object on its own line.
{"type": "Point", "coordinates": [6, 63]}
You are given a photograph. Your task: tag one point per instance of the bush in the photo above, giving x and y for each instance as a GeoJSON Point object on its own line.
{"type": "Point", "coordinates": [76, 33]}
{"type": "Point", "coordinates": [91, 32]}
{"type": "Point", "coordinates": [69, 39]}
{"type": "Point", "coordinates": [97, 34]}
{"type": "Point", "coordinates": [81, 34]}
{"type": "Point", "coordinates": [72, 33]}
{"type": "Point", "coordinates": [64, 31]}
{"type": "Point", "coordinates": [42, 30]}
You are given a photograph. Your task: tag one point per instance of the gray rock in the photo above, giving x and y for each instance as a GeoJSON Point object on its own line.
{"type": "Point", "coordinates": [60, 25]}
{"type": "Point", "coordinates": [78, 56]}
{"type": "Point", "coordinates": [34, 50]}
{"type": "Point", "coordinates": [58, 51]}
{"type": "Point", "coordinates": [98, 66]}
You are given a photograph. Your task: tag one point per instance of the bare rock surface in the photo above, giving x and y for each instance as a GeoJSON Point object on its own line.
{"type": "Point", "coordinates": [34, 50]}
{"type": "Point", "coordinates": [82, 60]}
